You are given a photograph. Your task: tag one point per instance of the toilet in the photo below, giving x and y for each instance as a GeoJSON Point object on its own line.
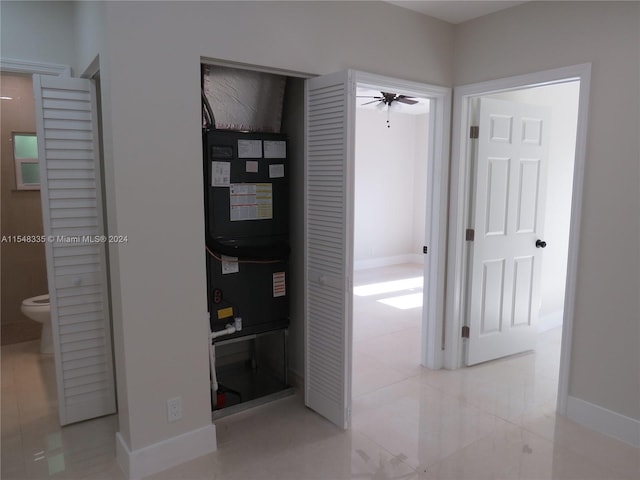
{"type": "Point", "coordinates": [37, 308]}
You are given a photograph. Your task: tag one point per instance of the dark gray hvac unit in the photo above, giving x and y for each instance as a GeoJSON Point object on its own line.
{"type": "Point", "coordinates": [247, 230]}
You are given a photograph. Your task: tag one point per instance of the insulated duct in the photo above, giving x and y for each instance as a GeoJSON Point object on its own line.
{"type": "Point", "coordinates": [244, 100]}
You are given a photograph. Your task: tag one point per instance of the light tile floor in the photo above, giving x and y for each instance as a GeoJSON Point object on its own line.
{"type": "Point", "coordinates": [492, 421]}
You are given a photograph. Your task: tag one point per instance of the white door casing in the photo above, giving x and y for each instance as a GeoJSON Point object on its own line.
{"type": "Point", "coordinates": [508, 219]}
{"type": "Point", "coordinates": [329, 166]}
{"type": "Point", "coordinates": [68, 150]}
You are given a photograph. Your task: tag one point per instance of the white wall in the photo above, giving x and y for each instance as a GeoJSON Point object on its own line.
{"type": "Point", "coordinates": [563, 100]}
{"type": "Point", "coordinates": [421, 144]}
{"type": "Point", "coordinates": [390, 187]}
{"type": "Point", "coordinates": [89, 34]}
{"type": "Point", "coordinates": [37, 31]}
{"type": "Point", "coordinates": [542, 35]}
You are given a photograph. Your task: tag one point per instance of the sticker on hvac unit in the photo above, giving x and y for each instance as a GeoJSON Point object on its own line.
{"type": "Point", "coordinates": [276, 170]}
{"type": "Point", "coordinates": [249, 148]}
{"type": "Point", "coordinates": [275, 149]}
{"type": "Point", "coordinates": [250, 201]}
{"type": "Point", "coordinates": [226, 312]}
{"type": "Point", "coordinates": [220, 174]}
{"type": "Point", "coordinates": [251, 166]}
{"type": "Point", "coordinates": [230, 265]}
{"type": "Point", "coordinates": [279, 285]}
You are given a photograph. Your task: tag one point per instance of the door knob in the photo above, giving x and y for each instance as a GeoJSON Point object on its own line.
{"type": "Point", "coordinates": [540, 243]}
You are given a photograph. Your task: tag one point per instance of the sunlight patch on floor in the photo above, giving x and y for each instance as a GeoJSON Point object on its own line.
{"type": "Point", "coordinates": [404, 302]}
{"type": "Point", "coordinates": [387, 287]}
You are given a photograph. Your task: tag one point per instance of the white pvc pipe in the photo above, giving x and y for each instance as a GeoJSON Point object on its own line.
{"type": "Point", "coordinates": [231, 329]}
{"type": "Point", "coordinates": [221, 333]}
{"type": "Point", "coordinates": [212, 361]}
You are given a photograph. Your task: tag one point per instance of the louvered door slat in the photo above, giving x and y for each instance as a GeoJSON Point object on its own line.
{"type": "Point", "coordinates": [80, 346]}
{"type": "Point", "coordinates": [328, 241]}
{"type": "Point", "coordinates": [71, 199]}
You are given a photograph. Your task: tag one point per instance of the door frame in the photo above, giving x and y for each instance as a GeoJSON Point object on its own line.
{"type": "Point", "coordinates": [459, 199]}
{"type": "Point", "coordinates": [432, 331]}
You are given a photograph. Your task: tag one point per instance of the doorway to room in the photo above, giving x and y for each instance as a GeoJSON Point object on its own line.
{"type": "Point", "coordinates": [463, 197]}
{"type": "Point", "coordinates": [329, 237]}
{"type": "Point", "coordinates": [529, 197]}
{"type": "Point", "coordinates": [529, 300]}
{"type": "Point", "coordinates": [391, 155]}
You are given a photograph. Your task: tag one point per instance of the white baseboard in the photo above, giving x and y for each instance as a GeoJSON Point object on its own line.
{"type": "Point", "coordinates": [387, 261]}
{"type": "Point", "coordinates": [165, 454]}
{"type": "Point", "coordinates": [550, 320]}
{"type": "Point", "coordinates": [605, 421]}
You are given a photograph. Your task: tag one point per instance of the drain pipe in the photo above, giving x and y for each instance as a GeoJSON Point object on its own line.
{"type": "Point", "coordinates": [229, 330]}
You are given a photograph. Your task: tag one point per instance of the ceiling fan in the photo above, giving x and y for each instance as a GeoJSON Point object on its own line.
{"type": "Point", "coordinates": [388, 98]}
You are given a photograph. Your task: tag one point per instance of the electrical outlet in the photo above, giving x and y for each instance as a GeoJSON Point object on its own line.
{"type": "Point", "coordinates": [174, 409]}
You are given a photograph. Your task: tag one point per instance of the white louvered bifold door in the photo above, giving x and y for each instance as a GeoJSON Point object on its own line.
{"type": "Point", "coordinates": [329, 245]}
{"type": "Point", "coordinates": [68, 152]}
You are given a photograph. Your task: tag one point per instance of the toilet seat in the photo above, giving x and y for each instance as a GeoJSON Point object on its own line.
{"type": "Point", "coordinates": [39, 301]}
{"type": "Point", "coordinates": [39, 310]}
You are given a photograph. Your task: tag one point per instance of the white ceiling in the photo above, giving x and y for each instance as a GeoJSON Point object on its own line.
{"type": "Point", "coordinates": [454, 11]}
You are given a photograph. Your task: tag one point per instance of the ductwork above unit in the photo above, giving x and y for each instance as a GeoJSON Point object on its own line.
{"type": "Point", "coordinates": [244, 100]}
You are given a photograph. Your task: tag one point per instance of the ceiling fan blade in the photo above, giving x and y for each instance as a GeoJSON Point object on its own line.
{"type": "Point", "coordinates": [407, 100]}
{"type": "Point", "coordinates": [372, 101]}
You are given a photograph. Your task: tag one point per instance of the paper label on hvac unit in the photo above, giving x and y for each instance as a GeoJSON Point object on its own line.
{"type": "Point", "coordinates": [279, 284]}
{"type": "Point", "coordinates": [251, 166]}
{"type": "Point", "coordinates": [220, 174]}
{"type": "Point", "coordinates": [276, 170]}
{"type": "Point", "coordinates": [249, 148]}
{"type": "Point", "coordinates": [230, 265]}
{"type": "Point", "coordinates": [275, 149]}
{"type": "Point", "coordinates": [250, 201]}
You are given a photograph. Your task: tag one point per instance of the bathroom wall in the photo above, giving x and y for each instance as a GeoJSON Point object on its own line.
{"type": "Point", "coordinates": [23, 266]}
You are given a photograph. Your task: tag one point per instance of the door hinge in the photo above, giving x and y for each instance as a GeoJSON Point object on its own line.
{"type": "Point", "coordinates": [465, 331]}
{"type": "Point", "coordinates": [470, 235]}
{"type": "Point", "coordinates": [474, 131]}
{"type": "Point", "coordinates": [425, 249]}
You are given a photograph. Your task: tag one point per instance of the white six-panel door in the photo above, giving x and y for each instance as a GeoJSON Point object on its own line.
{"type": "Point", "coordinates": [329, 245]}
{"type": "Point", "coordinates": [508, 219]}
{"type": "Point", "coordinates": [68, 153]}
